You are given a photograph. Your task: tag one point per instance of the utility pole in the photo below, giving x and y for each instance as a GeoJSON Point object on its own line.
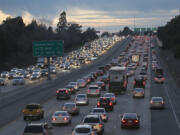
{"type": "Point", "coordinates": [134, 22]}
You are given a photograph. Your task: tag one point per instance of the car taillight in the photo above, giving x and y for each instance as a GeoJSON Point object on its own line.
{"type": "Point", "coordinates": [136, 121]}
{"type": "Point", "coordinates": [92, 134]}
{"type": "Point", "coordinates": [113, 98]}
{"type": "Point", "coordinates": [123, 121]}
{"type": "Point", "coordinates": [74, 108]}
{"type": "Point", "coordinates": [155, 78]}
{"type": "Point", "coordinates": [110, 104]}
{"type": "Point", "coordinates": [163, 78]}
{"type": "Point", "coordinates": [134, 82]}
{"type": "Point", "coordinates": [66, 91]}
{"type": "Point", "coordinates": [144, 83]}
{"type": "Point", "coordinates": [98, 104]}
{"type": "Point", "coordinates": [88, 91]}
{"type": "Point", "coordinates": [53, 118]}
{"type": "Point", "coordinates": [162, 102]}
{"type": "Point", "coordinates": [97, 91]}
{"type": "Point", "coordinates": [65, 118]}
{"type": "Point", "coordinates": [57, 91]}
{"type": "Point", "coordinates": [100, 125]}
{"type": "Point", "coordinates": [38, 111]}
{"type": "Point", "coordinates": [151, 102]}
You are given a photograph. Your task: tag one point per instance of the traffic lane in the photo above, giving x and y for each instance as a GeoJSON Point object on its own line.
{"type": "Point", "coordinates": [16, 127]}
{"type": "Point", "coordinates": [43, 92]}
{"type": "Point", "coordinates": [165, 117]}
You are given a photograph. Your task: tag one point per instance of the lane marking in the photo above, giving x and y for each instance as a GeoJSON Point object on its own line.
{"type": "Point", "coordinates": [172, 107]}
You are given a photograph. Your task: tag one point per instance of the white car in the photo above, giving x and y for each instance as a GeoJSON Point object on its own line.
{"type": "Point", "coordinates": [18, 81]}
{"type": "Point", "coordinates": [83, 130]}
{"type": "Point", "coordinates": [81, 99]}
{"type": "Point", "coordinates": [61, 117]}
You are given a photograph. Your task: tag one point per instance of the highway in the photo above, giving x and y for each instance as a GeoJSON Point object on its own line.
{"type": "Point", "coordinates": [152, 122]}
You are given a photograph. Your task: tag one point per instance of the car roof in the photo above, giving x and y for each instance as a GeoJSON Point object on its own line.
{"type": "Point", "coordinates": [93, 85]}
{"type": "Point", "coordinates": [126, 114]}
{"type": "Point", "coordinates": [92, 115]}
{"type": "Point", "coordinates": [84, 125]}
{"type": "Point", "coordinates": [157, 98]}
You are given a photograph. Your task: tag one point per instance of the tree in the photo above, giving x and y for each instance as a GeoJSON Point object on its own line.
{"type": "Point", "coordinates": [62, 24]}
{"type": "Point", "coordinates": [105, 34]}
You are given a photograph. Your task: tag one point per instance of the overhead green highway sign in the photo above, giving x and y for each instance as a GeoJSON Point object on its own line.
{"type": "Point", "coordinates": [48, 48]}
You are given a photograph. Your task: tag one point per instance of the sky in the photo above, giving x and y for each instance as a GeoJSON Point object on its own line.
{"type": "Point", "coordinates": [104, 15]}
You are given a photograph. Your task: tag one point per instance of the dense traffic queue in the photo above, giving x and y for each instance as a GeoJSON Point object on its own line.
{"type": "Point", "coordinates": [111, 79]}
{"type": "Point", "coordinates": [75, 59]}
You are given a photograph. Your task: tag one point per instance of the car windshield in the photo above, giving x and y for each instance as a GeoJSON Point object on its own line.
{"type": "Point", "coordinates": [82, 130]}
{"type": "Point", "coordinates": [81, 96]}
{"type": "Point", "coordinates": [130, 116]}
{"type": "Point", "coordinates": [69, 105]}
{"type": "Point", "coordinates": [98, 111]}
{"type": "Point", "coordinates": [60, 114]}
{"type": "Point", "coordinates": [17, 78]}
{"type": "Point", "coordinates": [91, 120]}
{"type": "Point", "coordinates": [32, 107]}
{"type": "Point", "coordinates": [93, 87]}
{"type": "Point", "coordinates": [139, 90]}
{"type": "Point", "coordinates": [157, 99]}
{"type": "Point", "coordinates": [108, 95]}
{"type": "Point", "coordinates": [33, 129]}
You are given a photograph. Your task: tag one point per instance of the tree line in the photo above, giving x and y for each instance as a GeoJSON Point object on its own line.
{"type": "Point", "coordinates": [170, 35]}
{"type": "Point", "coordinates": [16, 38]}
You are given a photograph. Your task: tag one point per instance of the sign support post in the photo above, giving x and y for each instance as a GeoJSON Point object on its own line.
{"type": "Point", "coordinates": [49, 72]}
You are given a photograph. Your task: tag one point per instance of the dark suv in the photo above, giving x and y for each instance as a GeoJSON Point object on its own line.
{"type": "Point", "coordinates": [139, 82]}
{"type": "Point", "coordinates": [63, 93]}
{"type": "Point", "coordinates": [105, 103]}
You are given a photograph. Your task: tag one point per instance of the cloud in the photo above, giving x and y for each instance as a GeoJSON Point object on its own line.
{"type": "Point", "coordinates": [3, 16]}
{"type": "Point", "coordinates": [27, 17]}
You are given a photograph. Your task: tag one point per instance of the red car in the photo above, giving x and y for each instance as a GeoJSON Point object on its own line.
{"type": "Point", "coordinates": [130, 120]}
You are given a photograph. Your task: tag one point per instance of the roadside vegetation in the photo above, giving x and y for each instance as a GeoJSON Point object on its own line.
{"type": "Point", "coordinates": [170, 36]}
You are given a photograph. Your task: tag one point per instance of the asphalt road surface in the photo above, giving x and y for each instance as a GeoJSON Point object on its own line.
{"type": "Point", "coordinates": [155, 122]}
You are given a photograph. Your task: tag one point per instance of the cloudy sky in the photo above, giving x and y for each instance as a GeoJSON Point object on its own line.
{"type": "Point", "coordinates": [105, 15]}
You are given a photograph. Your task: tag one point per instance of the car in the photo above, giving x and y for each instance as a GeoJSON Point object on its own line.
{"type": "Point", "coordinates": [75, 84]}
{"type": "Point", "coordinates": [138, 93]}
{"type": "Point", "coordinates": [101, 85]}
{"type": "Point", "coordinates": [63, 93]}
{"type": "Point", "coordinates": [130, 120]}
{"type": "Point", "coordinates": [4, 74]}
{"type": "Point", "coordinates": [93, 90]}
{"type": "Point", "coordinates": [61, 117]}
{"type": "Point", "coordinates": [44, 72]}
{"type": "Point", "coordinates": [18, 81]}
{"type": "Point", "coordinates": [99, 72]}
{"type": "Point", "coordinates": [95, 121]}
{"type": "Point", "coordinates": [83, 130]}
{"type": "Point", "coordinates": [81, 83]}
{"type": "Point", "coordinates": [71, 89]}
{"type": "Point", "coordinates": [71, 108]}
{"type": "Point", "coordinates": [111, 96]}
{"type": "Point", "coordinates": [101, 112]}
{"type": "Point", "coordinates": [35, 76]}
{"type": "Point", "coordinates": [143, 74]}
{"type": "Point", "coordinates": [104, 79]}
{"type": "Point", "coordinates": [81, 99]}
{"type": "Point", "coordinates": [139, 82]}
{"type": "Point", "coordinates": [32, 111]}
{"type": "Point", "coordinates": [37, 129]}
{"type": "Point", "coordinates": [105, 103]}
{"type": "Point", "coordinates": [159, 79]}
{"type": "Point", "coordinates": [2, 82]}
{"type": "Point", "coordinates": [157, 103]}
{"type": "Point", "coordinates": [11, 75]}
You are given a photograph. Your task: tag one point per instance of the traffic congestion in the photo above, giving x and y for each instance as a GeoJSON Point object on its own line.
{"type": "Point", "coordinates": [105, 99]}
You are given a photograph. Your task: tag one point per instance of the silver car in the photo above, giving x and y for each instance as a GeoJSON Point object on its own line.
{"type": "Point", "coordinates": [81, 99]}
{"type": "Point", "coordinates": [61, 117]}
{"type": "Point", "coordinates": [83, 130]}
{"type": "Point", "coordinates": [157, 102]}
{"type": "Point", "coordinates": [75, 84]}
{"type": "Point", "coordinates": [101, 112]}
{"type": "Point", "coordinates": [18, 81]}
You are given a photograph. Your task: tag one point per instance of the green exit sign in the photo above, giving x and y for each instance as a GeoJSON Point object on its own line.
{"type": "Point", "coordinates": [53, 48]}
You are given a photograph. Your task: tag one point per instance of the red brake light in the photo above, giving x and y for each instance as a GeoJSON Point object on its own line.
{"type": "Point", "coordinates": [88, 90]}
{"type": "Point", "coordinates": [151, 102]}
{"type": "Point", "coordinates": [100, 125]}
{"type": "Point", "coordinates": [65, 118]}
{"type": "Point", "coordinates": [144, 83]}
{"type": "Point", "coordinates": [98, 103]}
{"type": "Point", "coordinates": [66, 91]}
{"type": "Point", "coordinates": [38, 110]}
{"type": "Point", "coordinates": [136, 121]}
{"type": "Point", "coordinates": [97, 91]}
{"type": "Point", "coordinates": [113, 98]}
{"type": "Point", "coordinates": [57, 91]}
{"type": "Point", "coordinates": [53, 118]}
{"type": "Point", "coordinates": [110, 104]}
{"type": "Point", "coordinates": [163, 78]}
{"type": "Point", "coordinates": [123, 121]}
{"type": "Point", "coordinates": [162, 102]}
